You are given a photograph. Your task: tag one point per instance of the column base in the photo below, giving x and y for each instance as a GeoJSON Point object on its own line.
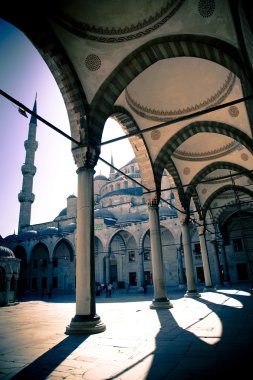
{"type": "Point", "coordinates": [85, 325]}
{"type": "Point", "coordinates": [161, 303]}
{"type": "Point", "coordinates": [192, 294]}
{"type": "Point", "coordinates": [209, 289]}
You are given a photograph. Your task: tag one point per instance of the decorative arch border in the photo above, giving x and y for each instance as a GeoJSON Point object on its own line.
{"type": "Point", "coordinates": [117, 233]}
{"type": "Point", "coordinates": [220, 191]}
{"type": "Point", "coordinates": [160, 48]}
{"type": "Point", "coordinates": [69, 245]}
{"type": "Point", "coordinates": [210, 168]}
{"type": "Point", "coordinates": [43, 38]}
{"type": "Point", "coordinates": [138, 144]}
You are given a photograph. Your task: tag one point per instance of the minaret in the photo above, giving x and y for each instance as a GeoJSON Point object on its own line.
{"type": "Point", "coordinates": [112, 171]}
{"type": "Point", "coordinates": [26, 196]}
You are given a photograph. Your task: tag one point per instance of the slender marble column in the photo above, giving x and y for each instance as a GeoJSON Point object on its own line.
{"type": "Point", "coordinates": [8, 288]}
{"type": "Point", "coordinates": [181, 280]}
{"type": "Point", "coordinates": [86, 321]}
{"type": "Point", "coordinates": [160, 300]}
{"type": "Point", "coordinates": [206, 266]}
{"type": "Point", "coordinates": [191, 287]}
{"type": "Point", "coordinates": [226, 279]}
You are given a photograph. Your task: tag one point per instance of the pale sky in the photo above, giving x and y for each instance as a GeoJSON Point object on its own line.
{"type": "Point", "coordinates": [23, 73]}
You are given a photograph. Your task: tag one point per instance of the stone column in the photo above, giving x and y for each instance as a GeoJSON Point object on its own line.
{"type": "Point", "coordinates": [7, 288]}
{"type": "Point", "coordinates": [86, 321]}
{"type": "Point", "coordinates": [226, 280]}
{"type": "Point", "coordinates": [107, 269]}
{"type": "Point", "coordinates": [141, 268]}
{"type": "Point", "coordinates": [160, 300]}
{"type": "Point", "coordinates": [181, 279]}
{"type": "Point", "coordinates": [206, 266]}
{"type": "Point", "coordinates": [217, 263]}
{"type": "Point", "coordinates": [191, 287]}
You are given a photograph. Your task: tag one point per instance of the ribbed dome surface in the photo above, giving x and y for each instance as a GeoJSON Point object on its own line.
{"type": "Point", "coordinates": [104, 213]}
{"type": "Point", "coordinates": [6, 252]}
{"type": "Point", "coordinates": [69, 228]}
{"type": "Point", "coordinates": [130, 217]}
{"type": "Point", "coordinates": [167, 212]}
{"type": "Point", "coordinates": [50, 231]}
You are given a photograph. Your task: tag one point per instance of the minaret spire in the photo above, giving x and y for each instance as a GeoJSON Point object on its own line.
{"type": "Point", "coordinates": [112, 171]}
{"type": "Point", "coordinates": [26, 196]}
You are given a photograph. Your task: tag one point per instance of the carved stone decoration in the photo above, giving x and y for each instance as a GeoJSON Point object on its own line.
{"type": "Point", "coordinates": [233, 111]}
{"type": "Point", "coordinates": [186, 171]}
{"type": "Point", "coordinates": [204, 191]}
{"type": "Point", "coordinates": [93, 62]}
{"type": "Point", "coordinates": [206, 8]}
{"type": "Point", "coordinates": [85, 157]}
{"type": "Point", "coordinates": [26, 197]}
{"type": "Point", "coordinates": [28, 169]}
{"type": "Point", "coordinates": [155, 135]}
{"type": "Point", "coordinates": [244, 157]}
{"type": "Point", "coordinates": [120, 33]}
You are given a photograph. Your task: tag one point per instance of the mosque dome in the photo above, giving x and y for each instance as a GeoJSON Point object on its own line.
{"type": "Point", "coordinates": [71, 196]}
{"type": "Point", "coordinates": [69, 228]}
{"type": "Point", "coordinates": [100, 177]}
{"type": "Point", "coordinates": [130, 217]}
{"type": "Point", "coordinates": [63, 212]}
{"type": "Point", "coordinates": [28, 234]}
{"type": "Point", "coordinates": [6, 253]}
{"type": "Point", "coordinates": [50, 231]}
{"type": "Point", "coordinates": [104, 214]}
{"type": "Point", "coordinates": [167, 212]}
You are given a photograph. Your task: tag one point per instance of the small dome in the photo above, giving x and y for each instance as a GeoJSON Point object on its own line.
{"type": "Point", "coordinates": [69, 228]}
{"type": "Point", "coordinates": [50, 231]}
{"type": "Point", "coordinates": [28, 234]}
{"type": "Point", "coordinates": [6, 253]}
{"type": "Point", "coordinates": [103, 214]}
{"type": "Point", "coordinates": [167, 212]}
{"type": "Point", "coordinates": [63, 212]}
{"type": "Point", "coordinates": [71, 196]}
{"type": "Point", "coordinates": [130, 217]}
{"type": "Point", "coordinates": [100, 177]}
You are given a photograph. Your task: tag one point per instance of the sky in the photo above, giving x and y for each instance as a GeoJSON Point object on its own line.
{"type": "Point", "coordinates": [23, 74]}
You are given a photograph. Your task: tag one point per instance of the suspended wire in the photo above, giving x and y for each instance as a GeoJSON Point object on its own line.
{"type": "Point", "coordinates": [23, 108]}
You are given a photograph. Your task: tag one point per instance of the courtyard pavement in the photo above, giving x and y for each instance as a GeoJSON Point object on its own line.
{"type": "Point", "coordinates": [206, 338]}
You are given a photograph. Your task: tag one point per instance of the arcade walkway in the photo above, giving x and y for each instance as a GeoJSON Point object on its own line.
{"type": "Point", "coordinates": [206, 338]}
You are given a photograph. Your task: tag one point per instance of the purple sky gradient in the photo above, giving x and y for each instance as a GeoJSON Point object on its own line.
{"type": "Point", "coordinates": [23, 73]}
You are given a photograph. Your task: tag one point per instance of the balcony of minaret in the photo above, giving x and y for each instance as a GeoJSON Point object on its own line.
{"type": "Point", "coordinates": [26, 197]}
{"type": "Point", "coordinates": [31, 145]}
{"type": "Point", "coordinates": [28, 169]}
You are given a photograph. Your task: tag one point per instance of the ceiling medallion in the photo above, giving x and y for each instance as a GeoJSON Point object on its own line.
{"type": "Point", "coordinates": [186, 171]}
{"type": "Point", "coordinates": [233, 111]}
{"type": "Point", "coordinates": [244, 157]}
{"type": "Point", "coordinates": [92, 62]}
{"type": "Point", "coordinates": [155, 135]}
{"type": "Point", "coordinates": [206, 8]}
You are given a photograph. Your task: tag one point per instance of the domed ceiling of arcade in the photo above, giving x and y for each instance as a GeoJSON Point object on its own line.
{"type": "Point", "coordinates": [159, 68]}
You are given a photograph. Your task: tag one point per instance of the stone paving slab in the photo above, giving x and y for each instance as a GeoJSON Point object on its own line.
{"type": "Point", "coordinates": [198, 338]}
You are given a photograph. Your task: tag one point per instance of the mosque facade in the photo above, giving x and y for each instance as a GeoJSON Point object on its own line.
{"type": "Point", "coordinates": [47, 251]}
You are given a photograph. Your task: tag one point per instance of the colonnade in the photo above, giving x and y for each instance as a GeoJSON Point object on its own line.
{"type": "Point", "coordinates": [86, 321]}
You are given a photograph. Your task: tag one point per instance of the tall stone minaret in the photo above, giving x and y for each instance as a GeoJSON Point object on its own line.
{"type": "Point", "coordinates": [112, 171]}
{"type": "Point", "coordinates": [26, 196]}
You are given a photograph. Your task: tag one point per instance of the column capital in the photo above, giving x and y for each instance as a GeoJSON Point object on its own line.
{"type": "Point", "coordinates": [201, 230]}
{"type": "Point", "coordinates": [85, 156]}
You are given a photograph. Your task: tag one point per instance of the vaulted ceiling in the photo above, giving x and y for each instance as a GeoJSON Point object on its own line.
{"type": "Point", "coordinates": [163, 69]}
